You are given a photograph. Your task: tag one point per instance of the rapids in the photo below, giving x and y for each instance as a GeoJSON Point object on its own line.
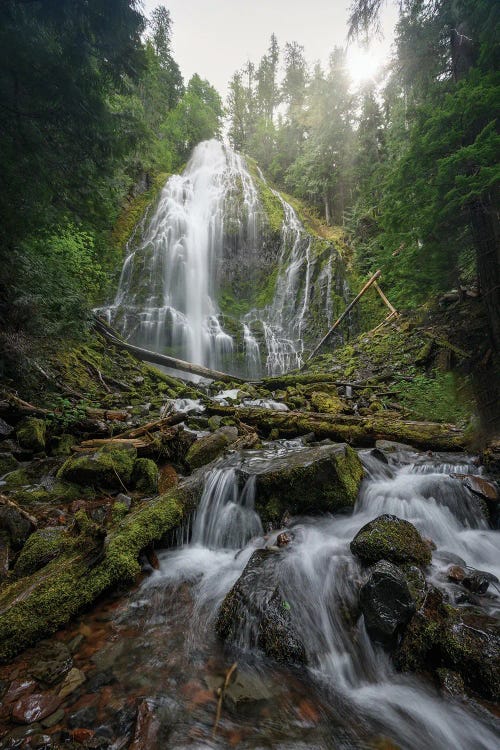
{"type": "Point", "coordinates": [350, 695]}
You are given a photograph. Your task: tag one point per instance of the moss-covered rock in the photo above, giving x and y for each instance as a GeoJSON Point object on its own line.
{"type": "Point", "coordinates": [327, 403]}
{"type": "Point", "coordinates": [390, 538]}
{"type": "Point", "coordinates": [40, 548]}
{"type": "Point", "coordinates": [7, 463]}
{"type": "Point", "coordinates": [63, 444]}
{"type": "Point", "coordinates": [16, 524]}
{"type": "Point", "coordinates": [206, 449]}
{"type": "Point", "coordinates": [40, 603]}
{"type": "Point", "coordinates": [110, 467]}
{"type": "Point", "coordinates": [145, 476]}
{"type": "Point", "coordinates": [319, 479]}
{"type": "Point", "coordinates": [31, 434]}
{"type": "Point", "coordinates": [440, 636]}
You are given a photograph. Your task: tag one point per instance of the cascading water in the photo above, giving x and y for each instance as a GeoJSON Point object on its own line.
{"type": "Point", "coordinates": [349, 697]}
{"type": "Point", "coordinates": [206, 219]}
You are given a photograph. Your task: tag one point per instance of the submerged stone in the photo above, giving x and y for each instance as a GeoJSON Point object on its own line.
{"type": "Point", "coordinates": [390, 538]}
{"type": "Point", "coordinates": [35, 707]}
{"type": "Point", "coordinates": [317, 479]}
{"type": "Point", "coordinates": [51, 663]}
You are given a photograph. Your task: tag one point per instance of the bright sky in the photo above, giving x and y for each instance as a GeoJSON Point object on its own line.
{"type": "Point", "coordinates": [216, 37]}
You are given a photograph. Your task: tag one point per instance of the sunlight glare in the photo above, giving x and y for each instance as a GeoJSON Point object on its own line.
{"type": "Point", "coordinates": [362, 64]}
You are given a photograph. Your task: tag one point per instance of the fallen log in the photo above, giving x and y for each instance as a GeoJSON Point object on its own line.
{"type": "Point", "coordinates": [355, 430]}
{"type": "Point", "coordinates": [155, 358]}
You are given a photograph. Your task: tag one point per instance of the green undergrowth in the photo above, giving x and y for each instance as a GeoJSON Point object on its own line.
{"type": "Point", "coordinates": [38, 606]}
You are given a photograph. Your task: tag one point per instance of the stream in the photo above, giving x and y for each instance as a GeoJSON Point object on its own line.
{"type": "Point", "coordinates": [157, 646]}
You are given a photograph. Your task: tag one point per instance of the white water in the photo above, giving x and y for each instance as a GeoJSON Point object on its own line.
{"type": "Point", "coordinates": [319, 578]}
{"type": "Point", "coordinates": [166, 299]}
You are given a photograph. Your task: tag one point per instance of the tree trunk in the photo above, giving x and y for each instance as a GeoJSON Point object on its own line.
{"type": "Point", "coordinates": [486, 235]}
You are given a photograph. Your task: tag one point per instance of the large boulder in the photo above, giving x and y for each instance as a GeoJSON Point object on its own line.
{"type": "Point", "coordinates": [390, 538]}
{"type": "Point", "coordinates": [440, 636]}
{"type": "Point", "coordinates": [255, 614]}
{"type": "Point", "coordinates": [31, 434]}
{"type": "Point", "coordinates": [316, 479]}
{"type": "Point", "coordinates": [109, 467]}
{"type": "Point", "coordinates": [386, 600]}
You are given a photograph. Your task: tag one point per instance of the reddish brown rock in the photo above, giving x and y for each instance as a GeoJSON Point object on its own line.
{"type": "Point", "coordinates": [35, 707]}
{"type": "Point", "coordinates": [147, 727]}
{"type": "Point", "coordinates": [456, 573]}
{"type": "Point", "coordinates": [17, 688]}
{"type": "Point", "coordinates": [82, 735]}
{"type": "Point", "coordinates": [283, 539]}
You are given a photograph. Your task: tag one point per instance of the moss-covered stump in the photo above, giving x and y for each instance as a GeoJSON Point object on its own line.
{"type": "Point", "coordinates": [145, 476]}
{"type": "Point", "coordinates": [256, 608]}
{"type": "Point", "coordinates": [31, 434]}
{"type": "Point", "coordinates": [40, 603]}
{"type": "Point", "coordinates": [390, 538]}
{"type": "Point", "coordinates": [355, 430]}
{"type": "Point", "coordinates": [440, 636]}
{"type": "Point", "coordinates": [207, 449]}
{"type": "Point", "coordinates": [319, 479]}
{"type": "Point", "coordinates": [108, 467]}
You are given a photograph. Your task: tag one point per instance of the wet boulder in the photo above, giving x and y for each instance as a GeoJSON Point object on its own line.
{"type": "Point", "coordinates": [145, 476]}
{"type": "Point", "coordinates": [109, 467]}
{"type": "Point", "coordinates": [316, 479]}
{"type": "Point", "coordinates": [386, 600]}
{"type": "Point", "coordinates": [31, 434]}
{"type": "Point", "coordinates": [207, 449]}
{"type": "Point", "coordinates": [255, 614]}
{"type": "Point", "coordinates": [390, 538]}
{"type": "Point", "coordinates": [442, 637]}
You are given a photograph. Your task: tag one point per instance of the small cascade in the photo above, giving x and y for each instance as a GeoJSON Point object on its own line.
{"type": "Point", "coordinates": [226, 517]}
{"type": "Point", "coordinates": [207, 226]}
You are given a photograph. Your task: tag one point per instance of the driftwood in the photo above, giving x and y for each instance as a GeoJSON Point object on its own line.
{"type": "Point", "coordinates": [146, 355]}
{"type": "Point", "coordinates": [221, 693]}
{"type": "Point", "coordinates": [355, 430]}
{"type": "Point", "coordinates": [346, 312]}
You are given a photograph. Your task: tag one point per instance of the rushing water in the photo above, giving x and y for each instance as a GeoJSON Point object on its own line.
{"type": "Point", "coordinates": [350, 695]}
{"type": "Point", "coordinates": [168, 289]}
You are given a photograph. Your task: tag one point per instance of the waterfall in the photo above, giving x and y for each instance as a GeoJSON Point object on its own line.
{"type": "Point", "coordinates": [208, 220]}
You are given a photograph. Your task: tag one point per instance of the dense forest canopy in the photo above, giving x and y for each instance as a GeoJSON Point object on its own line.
{"type": "Point", "coordinates": [93, 103]}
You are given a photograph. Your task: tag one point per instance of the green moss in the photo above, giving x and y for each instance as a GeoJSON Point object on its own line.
{"type": "Point", "coordinates": [17, 478]}
{"type": "Point", "coordinates": [108, 467]}
{"type": "Point", "coordinates": [40, 548]}
{"type": "Point", "coordinates": [134, 210]}
{"type": "Point", "coordinates": [31, 434]}
{"type": "Point", "coordinates": [7, 463]}
{"type": "Point", "coordinates": [390, 538]}
{"type": "Point", "coordinates": [327, 403]}
{"type": "Point", "coordinates": [40, 603]}
{"type": "Point", "coordinates": [145, 476]}
{"type": "Point", "coordinates": [206, 449]}
{"type": "Point", "coordinates": [63, 445]}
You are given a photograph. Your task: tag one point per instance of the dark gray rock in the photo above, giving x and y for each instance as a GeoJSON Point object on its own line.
{"type": "Point", "coordinates": [17, 525]}
{"type": "Point", "coordinates": [385, 599]}
{"type": "Point", "coordinates": [255, 614]}
{"type": "Point", "coordinates": [51, 663]}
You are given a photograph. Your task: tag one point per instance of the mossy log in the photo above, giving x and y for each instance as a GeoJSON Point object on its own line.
{"type": "Point", "coordinates": [37, 605]}
{"type": "Point", "coordinates": [355, 430]}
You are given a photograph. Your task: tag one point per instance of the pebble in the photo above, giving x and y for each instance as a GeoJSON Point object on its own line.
{"type": "Point", "coordinates": [17, 688]}
{"type": "Point", "coordinates": [53, 719]}
{"type": "Point", "coordinates": [72, 681]}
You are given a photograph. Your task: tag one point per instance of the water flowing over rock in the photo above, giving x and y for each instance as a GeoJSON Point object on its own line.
{"type": "Point", "coordinates": [212, 278]}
